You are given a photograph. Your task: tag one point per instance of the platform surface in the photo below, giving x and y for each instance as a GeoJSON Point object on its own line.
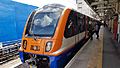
{"type": "Point", "coordinates": [111, 51]}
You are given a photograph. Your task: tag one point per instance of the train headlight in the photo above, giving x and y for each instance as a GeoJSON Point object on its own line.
{"type": "Point", "coordinates": [36, 48]}
{"type": "Point", "coordinates": [24, 44]}
{"type": "Point", "coordinates": [48, 46]}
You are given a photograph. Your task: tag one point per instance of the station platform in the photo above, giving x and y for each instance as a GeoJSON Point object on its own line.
{"type": "Point", "coordinates": [97, 53]}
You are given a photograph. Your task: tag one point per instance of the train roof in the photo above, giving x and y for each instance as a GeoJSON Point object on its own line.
{"type": "Point", "coordinates": [51, 7]}
{"type": "Point", "coordinates": [54, 6]}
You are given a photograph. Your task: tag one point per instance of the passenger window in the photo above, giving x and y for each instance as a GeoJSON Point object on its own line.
{"type": "Point", "coordinates": [87, 23]}
{"type": "Point", "coordinates": [71, 28]}
{"type": "Point", "coordinates": [76, 30]}
{"type": "Point", "coordinates": [81, 22]}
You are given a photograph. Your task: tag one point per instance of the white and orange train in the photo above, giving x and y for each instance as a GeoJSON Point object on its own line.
{"type": "Point", "coordinates": [51, 34]}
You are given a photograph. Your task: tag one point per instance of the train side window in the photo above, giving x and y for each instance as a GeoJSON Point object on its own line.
{"type": "Point", "coordinates": [68, 28]}
{"type": "Point", "coordinates": [71, 25]}
{"type": "Point", "coordinates": [81, 22]}
{"type": "Point", "coordinates": [76, 30]}
{"type": "Point", "coordinates": [29, 24]}
{"type": "Point", "coordinates": [88, 19]}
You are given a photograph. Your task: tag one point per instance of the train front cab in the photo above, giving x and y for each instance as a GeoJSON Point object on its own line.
{"type": "Point", "coordinates": [58, 48]}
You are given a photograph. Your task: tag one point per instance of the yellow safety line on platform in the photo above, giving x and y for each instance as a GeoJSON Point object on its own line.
{"type": "Point", "coordinates": [99, 64]}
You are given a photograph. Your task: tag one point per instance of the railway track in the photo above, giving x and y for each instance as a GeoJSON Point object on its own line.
{"type": "Point", "coordinates": [8, 53]}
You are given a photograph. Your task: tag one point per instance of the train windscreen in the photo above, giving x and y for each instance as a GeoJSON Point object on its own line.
{"type": "Point", "coordinates": [45, 22]}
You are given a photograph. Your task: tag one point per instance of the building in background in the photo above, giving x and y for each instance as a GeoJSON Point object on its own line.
{"type": "Point", "coordinates": [13, 16]}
